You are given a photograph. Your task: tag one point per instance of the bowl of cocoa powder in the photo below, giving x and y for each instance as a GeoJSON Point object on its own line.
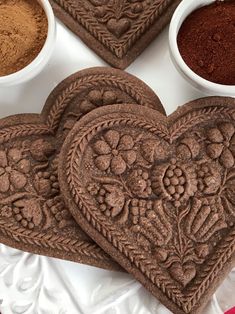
{"type": "Point", "coordinates": [27, 38]}
{"type": "Point", "coordinates": [202, 44]}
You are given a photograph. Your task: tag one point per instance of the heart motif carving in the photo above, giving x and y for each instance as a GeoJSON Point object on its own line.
{"type": "Point", "coordinates": [33, 216]}
{"type": "Point", "coordinates": [118, 27]}
{"type": "Point", "coordinates": [157, 194]}
{"type": "Point", "coordinates": [117, 30]}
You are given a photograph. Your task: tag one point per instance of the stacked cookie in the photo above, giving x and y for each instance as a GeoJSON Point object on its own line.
{"type": "Point", "coordinates": [34, 216]}
{"type": "Point", "coordinates": [103, 177]}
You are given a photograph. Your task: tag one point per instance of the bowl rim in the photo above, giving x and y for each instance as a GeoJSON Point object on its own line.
{"type": "Point", "coordinates": [176, 22]}
{"type": "Point", "coordinates": [32, 67]}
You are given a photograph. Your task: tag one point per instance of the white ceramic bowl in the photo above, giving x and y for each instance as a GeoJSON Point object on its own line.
{"type": "Point", "coordinates": [43, 57]}
{"type": "Point", "coordinates": [183, 10]}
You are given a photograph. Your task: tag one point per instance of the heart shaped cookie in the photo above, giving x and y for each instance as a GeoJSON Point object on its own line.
{"type": "Point", "coordinates": [157, 194]}
{"type": "Point", "coordinates": [33, 216]}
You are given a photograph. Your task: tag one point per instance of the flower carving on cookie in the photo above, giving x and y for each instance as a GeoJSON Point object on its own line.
{"type": "Point", "coordinates": [149, 219]}
{"type": "Point", "coordinates": [97, 98]}
{"type": "Point", "coordinates": [13, 170]}
{"type": "Point", "coordinates": [114, 152]}
{"type": "Point", "coordinates": [222, 144]}
{"type": "Point", "coordinates": [201, 230]}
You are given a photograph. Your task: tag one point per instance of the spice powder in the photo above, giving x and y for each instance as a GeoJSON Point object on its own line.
{"type": "Point", "coordinates": [206, 41]}
{"type": "Point", "coordinates": [23, 32]}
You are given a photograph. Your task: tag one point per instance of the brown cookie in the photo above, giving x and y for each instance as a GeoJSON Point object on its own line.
{"type": "Point", "coordinates": [157, 194]}
{"type": "Point", "coordinates": [33, 216]}
{"type": "Point", "coordinates": [117, 30]}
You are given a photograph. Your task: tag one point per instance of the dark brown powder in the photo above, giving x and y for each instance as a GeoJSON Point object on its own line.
{"type": "Point", "coordinates": [23, 31]}
{"type": "Point", "coordinates": [206, 42]}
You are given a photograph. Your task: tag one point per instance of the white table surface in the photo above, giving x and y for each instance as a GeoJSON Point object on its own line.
{"type": "Point", "coordinates": [31, 284]}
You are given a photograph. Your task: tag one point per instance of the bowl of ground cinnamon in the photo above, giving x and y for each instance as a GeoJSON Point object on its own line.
{"type": "Point", "coordinates": [27, 37]}
{"type": "Point", "coordinates": [202, 44]}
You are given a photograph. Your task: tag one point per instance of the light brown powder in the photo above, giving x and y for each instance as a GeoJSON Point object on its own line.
{"type": "Point", "coordinates": [23, 31]}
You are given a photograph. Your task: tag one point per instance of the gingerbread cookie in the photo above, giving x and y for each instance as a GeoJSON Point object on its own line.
{"type": "Point", "coordinates": [157, 194]}
{"type": "Point", "coordinates": [117, 30]}
{"type": "Point", "coordinates": [33, 216]}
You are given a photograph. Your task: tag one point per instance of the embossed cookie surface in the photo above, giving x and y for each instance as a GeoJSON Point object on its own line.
{"type": "Point", "coordinates": [33, 216]}
{"type": "Point", "coordinates": [117, 30]}
{"type": "Point", "coordinates": [157, 194]}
